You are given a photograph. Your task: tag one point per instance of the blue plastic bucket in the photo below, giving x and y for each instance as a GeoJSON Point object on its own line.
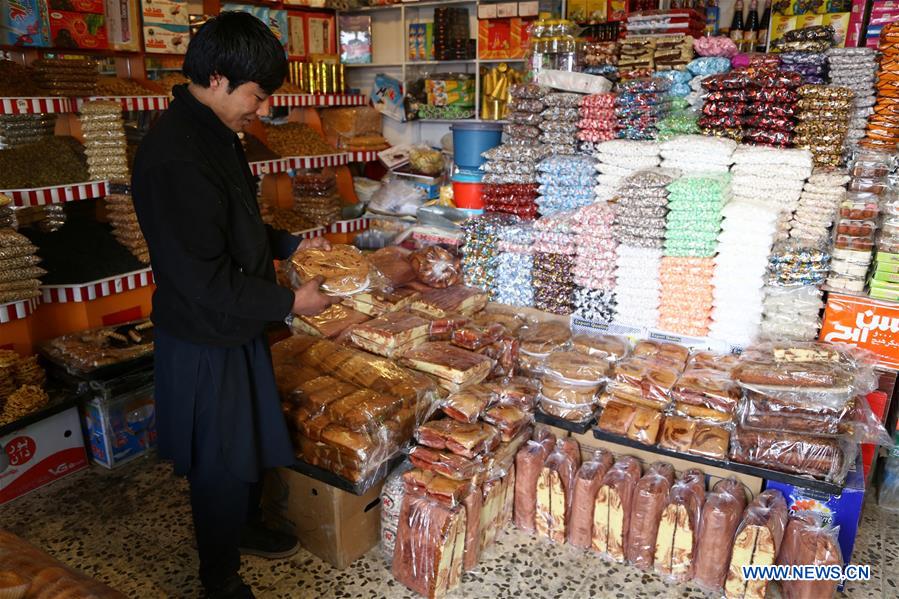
{"type": "Point", "coordinates": [471, 139]}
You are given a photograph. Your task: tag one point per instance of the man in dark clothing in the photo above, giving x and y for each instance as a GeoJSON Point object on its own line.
{"type": "Point", "coordinates": [218, 413]}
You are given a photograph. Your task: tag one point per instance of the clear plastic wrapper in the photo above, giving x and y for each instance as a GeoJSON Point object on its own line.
{"type": "Point", "coordinates": [554, 495]}
{"type": "Point", "coordinates": [529, 91]}
{"type": "Point", "coordinates": [467, 439]}
{"type": "Point", "coordinates": [29, 572]}
{"type": "Point", "coordinates": [721, 516]}
{"type": "Point", "coordinates": [544, 337]}
{"type": "Point", "coordinates": [612, 513]}
{"type": "Point", "coordinates": [528, 466]}
{"type": "Point", "coordinates": [679, 527]}
{"type": "Point", "coordinates": [707, 388]}
{"type": "Point", "coordinates": [524, 105]}
{"type": "Point", "coordinates": [648, 503]}
{"type": "Point", "coordinates": [758, 541]}
{"type": "Point", "coordinates": [821, 457]}
{"type": "Point", "coordinates": [430, 546]}
{"type": "Point", "coordinates": [808, 541]}
{"type": "Point", "coordinates": [436, 267]}
{"type": "Point", "coordinates": [643, 381]}
{"type": "Point", "coordinates": [570, 412]}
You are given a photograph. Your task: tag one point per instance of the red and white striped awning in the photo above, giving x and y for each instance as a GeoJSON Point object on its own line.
{"type": "Point", "coordinates": [57, 194]}
{"type": "Point", "coordinates": [131, 103]}
{"type": "Point", "coordinates": [318, 100]}
{"type": "Point", "coordinates": [282, 165]}
{"type": "Point", "coordinates": [349, 226]}
{"type": "Point", "coordinates": [39, 105]}
{"type": "Point", "coordinates": [85, 292]}
{"type": "Point", "coordinates": [17, 310]}
{"type": "Point", "coordinates": [363, 155]}
{"type": "Point", "coordinates": [311, 233]}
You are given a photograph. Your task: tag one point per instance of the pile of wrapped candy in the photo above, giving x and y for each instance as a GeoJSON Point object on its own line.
{"type": "Point", "coordinates": [620, 158]}
{"type": "Point", "coordinates": [560, 123]}
{"type": "Point", "coordinates": [315, 197]}
{"type": "Point", "coordinates": [792, 312]}
{"type": "Point", "coordinates": [597, 122]}
{"type": "Point", "coordinates": [105, 145]}
{"type": "Point", "coordinates": [793, 263]}
{"type": "Point", "coordinates": [554, 260]}
{"type": "Point", "coordinates": [595, 263]}
{"type": "Point", "coordinates": [804, 51]}
{"type": "Point", "coordinates": [883, 125]}
{"type": "Point", "coordinates": [773, 176]}
{"type": "Point", "coordinates": [755, 106]}
{"type": "Point", "coordinates": [515, 161]}
{"type": "Point", "coordinates": [700, 68]}
{"type": "Point", "coordinates": [640, 230]}
{"type": "Point", "coordinates": [692, 226]}
{"type": "Point", "coordinates": [513, 279]}
{"type": "Point", "coordinates": [694, 215]}
{"type": "Point", "coordinates": [681, 120]}
{"type": "Point", "coordinates": [692, 154]}
{"type": "Point", "coordinates": [822, 195]}
{"type": "Point", "coordinates": [687, 295]}
{"type": "Point", "coordinates": [672, 52]}
{"type": "Point", "coordinates": [480, 247]}
{"type": "Point", "coordinates": [519, 199]}
{"type": "Point", "coordinates": [564, 183]}
{"type": "Point", "coordinates": [823, 112]}
{"type": "Point", "coordinates": [640, 104]}
{"type": "Point", "coordinates": [748, 231]}
{"type": "Point", "coordinates": [855, 68]}
{"type": "Point", "coordinates": [601, 58]}
{"type": "Point", "coordinates": [636, 55]}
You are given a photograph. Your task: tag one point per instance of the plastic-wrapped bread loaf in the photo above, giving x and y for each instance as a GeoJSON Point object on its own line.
{"type": "Point", "coordinates": [718, 524]}
{"type": "Point", "coordinates": [491, 512]}
{"type": "Point", "coordinates": [612, 512]}
{"type": "Point", "coordinates": [430, 546]}
{"type": "Point", "coordinates": [572, 448]}
{"type": "Point", "coordinates": [650, 497]}
{"type": "Point", "coordinates": [528, 464]}
{"type": "Point", "coordinates": [808, 542]}
{"type": "Point", "coordinates": [586, 484]}
{"type": "Point", "coordinates": [554, 495]}
{"type": "Point", "coordinates": [757, 542]}
{"type": "Point", "coordinates": [678, 527]}
{"type": "Point", "coordinates": [473, 502]}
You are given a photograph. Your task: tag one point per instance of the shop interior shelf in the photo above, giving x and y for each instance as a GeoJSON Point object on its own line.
{"type": "Point", "coordinates": [575, 427]}
{"type": "Point", "coordinates": [318, 100]}
{"type": "Point", "coordinates": [60, 400]}
{"type": "Point", "coordinates": [36, 105]}
{"type": "Point", "coordinates": [329, 478]}
{"type": "Point", "coordinates": [56, 194]}
{"type": "Point", "coordinates": [765, 473]}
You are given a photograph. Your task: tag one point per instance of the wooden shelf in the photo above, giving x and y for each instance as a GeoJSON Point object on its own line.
{"type": "Point", "coordinates": [130, 103]}
{"type": "Point", "coordinates": [282, 165]}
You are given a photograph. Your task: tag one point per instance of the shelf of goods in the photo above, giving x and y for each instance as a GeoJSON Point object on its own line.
{"type": "Point", "coordinates": [60, 401]}
{"type": "Point", "coordinates": [282, 165]}
{"type": "Point", "coordinates": [130, 103]}
{"type": "Point", "coordinates": [363, 155]}
{"type": "Point", "coordinates": [574, 427]}
{"type": "Point", "coordinates": [353, 225]}
{"type": "Point", "coordinates": [765, 473]}
{"type": "Point", "coordinates": [318, 100]}
{"type": "Point", "coordinates": [85, 292]}
{"type": "Point", "coordinates": [311, 233]}
{"type": "Point", "coordinates": [56, 194]}
{"type": "Point", "coordinates": [15, 311]}
{"type": "Point", "coordinates": [36, 105]}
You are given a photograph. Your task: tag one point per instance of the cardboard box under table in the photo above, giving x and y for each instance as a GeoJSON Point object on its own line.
{"type": "Point", "coordinates": [40, 452]}
{"type": "Point", "coordinates": [337, 526]}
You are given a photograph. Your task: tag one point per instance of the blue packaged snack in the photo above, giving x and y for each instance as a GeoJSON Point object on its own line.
{"type": "Point", "coordinates": [24, 23]}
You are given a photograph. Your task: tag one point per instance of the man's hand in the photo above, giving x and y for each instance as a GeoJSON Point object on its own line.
{"type": "Point", "coordinates": [317, 243]}
{"type": "Point", "coordinates": [308, 300]}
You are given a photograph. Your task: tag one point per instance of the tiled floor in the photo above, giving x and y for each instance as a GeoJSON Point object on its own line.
{"type": "Point", "coordinates": [131, 528]}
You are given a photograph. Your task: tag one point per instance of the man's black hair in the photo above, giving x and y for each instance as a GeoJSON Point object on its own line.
{"type": "Point", "coordinates": [238, 46]}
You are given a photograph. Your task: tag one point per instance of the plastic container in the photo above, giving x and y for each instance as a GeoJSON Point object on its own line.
{"type": "Point", "coordinates": [470, 140]}
{"type": "Point", "coordinates": [468, 191]}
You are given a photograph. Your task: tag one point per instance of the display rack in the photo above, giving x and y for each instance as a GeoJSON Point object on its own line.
{"type": "Point", "coordinates": [363, 155]}
{"type": "Point", "coordinates": [360, 488]}
{"type": "Point", "coordinates": [36, 105]}
{"type": "Point", "coordinates": [56, 194]}
{"type": "Point", "coordinates": [354, 225]}
{"type": "Point", "coordinates": [765, 473]}
{"type": "Point", "coordinates": [574, 427]}
{"type": "Point", "coordinates": [85, 292]}
{"type": "Point", "coordinates": [317, 100]}
{"type": "Point", "coordinates": [283, 165]}
{"type": "Point", "coordinates": [130, 103]}
{"type": "Point", "coordinates": [19, 310]}
{"type": "Point", "coordinates": [60, 401]}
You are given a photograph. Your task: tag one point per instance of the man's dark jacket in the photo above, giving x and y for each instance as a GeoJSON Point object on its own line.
{"type": "Point", "coordinates": [195, 199]}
